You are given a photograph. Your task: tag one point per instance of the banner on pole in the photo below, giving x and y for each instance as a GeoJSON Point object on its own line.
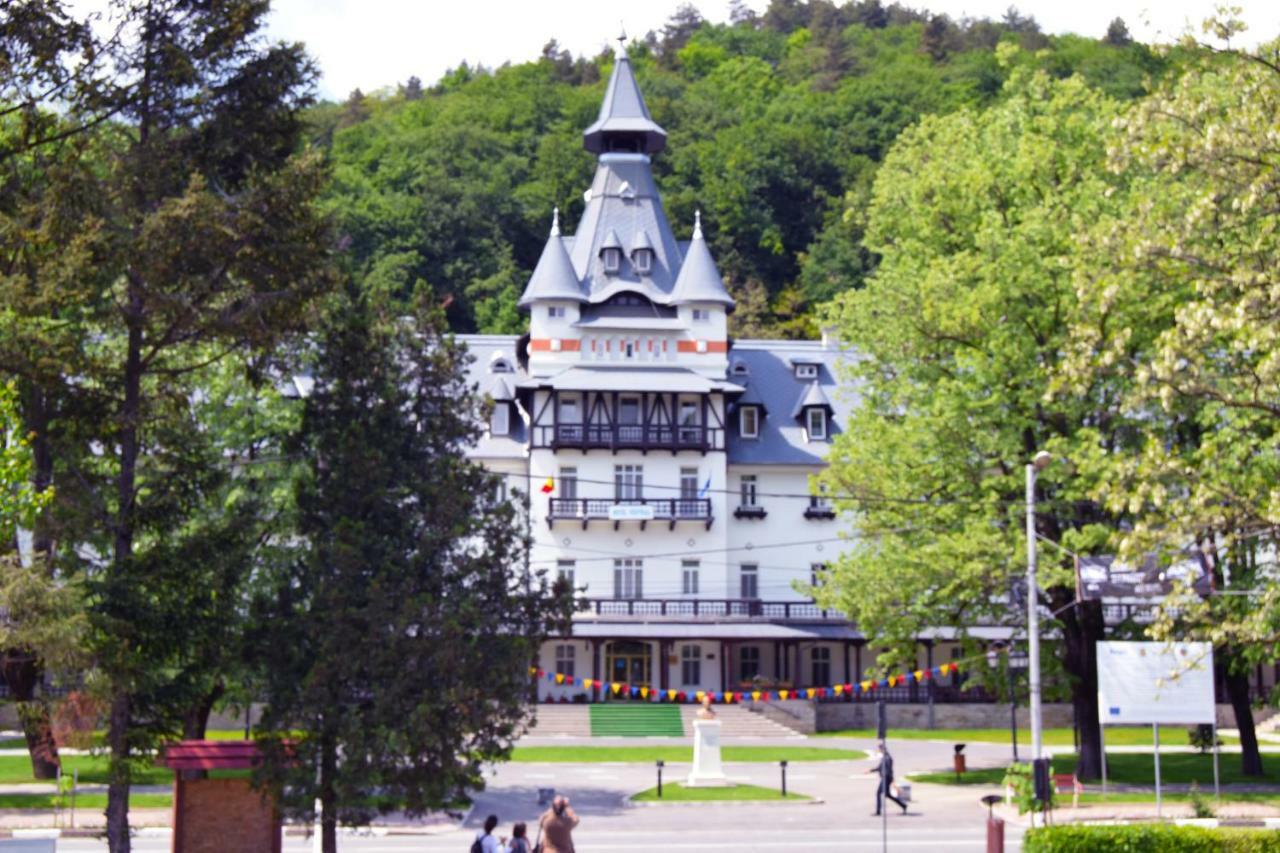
{"type": "Point", "coordinates": [1163, 683]}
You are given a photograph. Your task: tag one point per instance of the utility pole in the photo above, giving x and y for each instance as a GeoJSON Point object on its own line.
{"type": "Point", "coordinates": [1041, 460]}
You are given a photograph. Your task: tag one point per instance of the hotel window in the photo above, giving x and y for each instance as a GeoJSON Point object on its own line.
{"type": "Point", "coordinates": [612, 260]}
{"type": "Point", "coordinates": [564, 659]}
{"type": "Point", "coordinates": [816, 571]}
{"type": "Point", "coordinates": [748, 490]}
{"type": "Point", "coordinates": [568, 484]}
{"type": "Point", "coordinates": [628, 482]}
{"type": "Point", "coordinates": [500, 419]}
{"type": "Point", "coordinates": [629, 410]}
{"type": "Point", "coordinates": [806, 371]}
{"type": "Point", "coordinates": [689, 570]}
{"type": "Point", "coordinates": [565, 569]}
{"type": "Point", "coordinates": [643, 260]}
{"type": "Point", "coordinates": [816, 423]}
{"type": "Point", "coordinates": [690, 665]}
{"type": "Point", "coordinates": [749, 422]}
{"type": "Point", "coordinates": [748, 662]}
{"type": "Point", "coordinates": [701, 315]}
{"type": "Point", "coordinates": [820, 660]}
{"type": "Point", "coordinates": [688, 484]}
{"type": "Point", "coordinates": [628, 579]}
{"type": "Point", "coordinates": [749, 577]}
{"type": "Point", "coordinates": [556, 312]}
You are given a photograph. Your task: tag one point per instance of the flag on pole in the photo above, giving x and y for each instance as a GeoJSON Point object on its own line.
{"type": "Point", "coordinates": [706, 487]}
{"type": "Point", "coordinates": [549, 486]}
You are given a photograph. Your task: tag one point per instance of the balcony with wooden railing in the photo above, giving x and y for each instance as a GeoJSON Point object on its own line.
{"type": "Point", "coordinates": [644, 438]}
{"type": "Point", "coordinates": [711, 608]}
{"type": "Point", "coordinates": [643, 510]}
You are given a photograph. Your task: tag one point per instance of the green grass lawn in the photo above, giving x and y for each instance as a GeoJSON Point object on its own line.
{"type": "Point", "coordinates": [15, 769]}
{"type": "Point", "coordinates": [649, 754]}
{"type": "Point", "coordinates": [677, 793]}
{"type": "Point", "coordinates": [1206, 793]}
{"type": "Point", "coordinates": [1052, 737]}
{"type": "Point", "coordinates": [84, 802]}
{"type": "Point", "coordinates": [1132, 769]}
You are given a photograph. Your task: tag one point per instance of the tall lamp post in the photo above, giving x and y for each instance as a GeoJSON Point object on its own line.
{"type": "Point", "coordinates": [1037, 464]}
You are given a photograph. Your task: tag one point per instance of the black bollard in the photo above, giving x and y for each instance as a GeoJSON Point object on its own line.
{"type": "Point", "coordinates": [661, 764]}
{"type": "Point", "coordinates": [783, 765]}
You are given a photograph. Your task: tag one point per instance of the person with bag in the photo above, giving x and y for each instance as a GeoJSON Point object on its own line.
{"type": "Point", "coordinates": [485, 841]}
{"type": "Point", "coordinates": [555, 828]}
{"type": "Point", "coordinates": [884, 766]}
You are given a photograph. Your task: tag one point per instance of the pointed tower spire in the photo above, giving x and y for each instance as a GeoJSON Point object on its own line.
{"type": "Point", "coordinates": [624, 123]}
{"type": "Point", "coordinates": [553, 277]}
{"type": "Point", "coordinates": [699, 280]}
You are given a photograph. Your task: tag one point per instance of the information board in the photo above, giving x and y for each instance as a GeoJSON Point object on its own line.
{"type": "Point", "coordinates": [1155, 683]}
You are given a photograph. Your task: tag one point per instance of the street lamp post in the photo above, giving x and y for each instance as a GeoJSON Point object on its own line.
{"type": "Point", "coordinates": [1041, 460]}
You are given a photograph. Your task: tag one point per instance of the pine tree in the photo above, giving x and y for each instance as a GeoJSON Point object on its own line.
{"type": "Point", "coordinates": [179, 233]}
{"type": "Point", "coordinates": [397, 640]}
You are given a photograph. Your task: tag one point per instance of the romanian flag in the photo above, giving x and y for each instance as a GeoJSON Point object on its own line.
{"type": "Point", "coordinates": [549, 486]}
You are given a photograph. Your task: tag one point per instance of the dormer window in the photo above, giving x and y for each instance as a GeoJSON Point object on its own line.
{"type": "Point", "coordinates": [643, 260]}
{"type": "Point", "coordinates": [500, 365]}
{"type": "Point", "coordinates": [701, 315]}
{"type": "Point", "coordinates": [815, 422]}
{"type": "Point", "coordinates": [740, 369]}
{"type": "Point", "coordinates": [612, 259]}
{"type": "Point", "coordinates": [806, 371]}
{"type": "Point", "coordinates": [749, 421]}
{"type": "Point", "coordinates": [500, 419]}
{"type": "Point", "coordinates": [556, 312]}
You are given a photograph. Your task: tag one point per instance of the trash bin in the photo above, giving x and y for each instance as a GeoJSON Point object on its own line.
{"type": "Point", "coordinates": [959, 759]}
{"type": "Point", "coordinates": [995, 835]}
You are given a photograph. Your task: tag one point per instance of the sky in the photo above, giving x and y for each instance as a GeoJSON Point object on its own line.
{"type": "Point", "coordinates": [372, 44]}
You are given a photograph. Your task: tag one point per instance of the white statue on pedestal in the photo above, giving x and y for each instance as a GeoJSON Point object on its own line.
{"type": "Point", "coordinates": [707, 772]}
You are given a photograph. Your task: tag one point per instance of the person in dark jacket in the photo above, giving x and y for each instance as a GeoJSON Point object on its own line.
{"type": "Point", "coordinates": [884, 767]}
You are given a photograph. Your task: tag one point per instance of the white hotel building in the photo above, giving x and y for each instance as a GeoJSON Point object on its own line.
{"type": "Point", "coordinates": [681, 461]}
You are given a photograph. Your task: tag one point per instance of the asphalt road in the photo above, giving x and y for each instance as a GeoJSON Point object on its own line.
{"type": "Point", "coordinates": [939, 817]}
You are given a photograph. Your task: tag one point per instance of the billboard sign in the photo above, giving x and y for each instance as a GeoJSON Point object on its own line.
{"type": "Point", "coordinates": [1144, 683]}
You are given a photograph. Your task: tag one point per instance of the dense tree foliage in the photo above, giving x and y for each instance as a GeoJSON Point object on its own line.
{"type": "Point", "coordinates": [394, 644]}
{"type": "Point", "coordinates": [1179, 322]}
{"type": "Point", "coordinates": [777, 124]}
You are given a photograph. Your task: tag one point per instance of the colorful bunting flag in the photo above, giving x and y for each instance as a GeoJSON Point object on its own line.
{"type": "Point", "coordinates": [549, 486]}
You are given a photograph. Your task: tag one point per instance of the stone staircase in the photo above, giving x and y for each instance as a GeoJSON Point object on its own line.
{"type": "Point", "coordinates": [739, 722]}
{"type": "Point", "coordinates": [574, 721]}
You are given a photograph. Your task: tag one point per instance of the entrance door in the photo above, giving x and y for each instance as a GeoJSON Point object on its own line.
{"type": "Point", "coordinates": [629, 663]}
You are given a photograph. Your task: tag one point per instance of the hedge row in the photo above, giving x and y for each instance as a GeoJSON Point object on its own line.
{"type": "Point", "coordinates": [1150, 838]}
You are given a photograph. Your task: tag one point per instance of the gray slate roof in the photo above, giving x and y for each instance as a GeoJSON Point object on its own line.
{"type": "Point", "coordinates": [812, 398]}
{"type": "Point", "coordinates": [624, 111]}
{"type": "Point", "coordinates": [553, 277]}
{"type": "Point", "coordinates": [623, 210]}
{"type": "Point", "coordinates": [770, 382]}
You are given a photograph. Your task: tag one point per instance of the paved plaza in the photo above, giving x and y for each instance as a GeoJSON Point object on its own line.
{"type": "Point", "coordinates": [840, 818]}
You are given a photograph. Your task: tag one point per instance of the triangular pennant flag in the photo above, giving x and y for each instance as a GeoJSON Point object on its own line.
{"type": "Point", "coordinates": [549, 486]}
{"type": "Point", "coordinates": [810, 692]}
{"type": "Point", "coordinates": [867, 686]}
{"type": "Point", "coordinates": [615, 687]}
{"type": "Point", "coordinates": [671, 695]}
{"type": "Point", "coordinates": [919, 674]}
{"type": "Point", "coordinates": [838, 689]}
{"type": "Point", "coordinates": [635, 691]}
{"type": "Point", "coordinates": [541, 672]}
{"type": "Point", "coordinates": [533, 670]}
{"type": "Point", "coordinates": [764, 694]}
{"type": "Point", "coordinates": [559, 678]}
{"type": "Point", "coordinates": [682, 696]}
{"type": "Point", "coordinates": [737, 697]}
{"type": "Point", "coordinates": [551, 676]}
{"type": "Point", "coordinates": [892, 680]}
{"type": "Point", "coordinates": [848, 688]}
{"type": "Point", "coordinates": [699, 695]}
{"type": "Point", "coordinates": [884, 682]}
{"type": "Point", "coordinates": [755, 695]}
{"type": "Point", "coordinates": [822, 692]}
{"type": "Point", "coordinates": [782, 694]}
{"type": "Point", "coordinates": [568, 679]}
{"type": "Point", "coordinates": [942, 670]}
{"type": "Point", "coordinates": [644, 692]}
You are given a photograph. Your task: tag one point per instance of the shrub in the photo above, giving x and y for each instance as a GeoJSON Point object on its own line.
{"type": "Point", "coordinates": [1150, 838]}
{"type": "Point", "coordinates": [1201, 737]}
{"type": "Point", "coordinates": [1019, 777]}
{"type": "Point", "coordinates": [1199, 805]}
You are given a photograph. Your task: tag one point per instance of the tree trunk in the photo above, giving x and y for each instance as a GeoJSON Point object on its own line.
{"type": "Point", "coordinates": [1237, 684]}
{"type": "Point", "coordinates": [1082, 627]}
{"type": "Point", "coordinates": [328, 797]}
{"type": "Point", "coordinates": [118, 784]}
{"type": "Point", "coordinates": [195, 723]}
{"type": "Point", "coordinates": [21, 672]}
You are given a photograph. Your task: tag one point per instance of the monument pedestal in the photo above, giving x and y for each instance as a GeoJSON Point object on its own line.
{"type": "Point", "coordinates": [707, 772]}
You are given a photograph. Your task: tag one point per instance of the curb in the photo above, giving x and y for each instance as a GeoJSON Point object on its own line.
{"type": "Point", "coordinates": [816, 801]}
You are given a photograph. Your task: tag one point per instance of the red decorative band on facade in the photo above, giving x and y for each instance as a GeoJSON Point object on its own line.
{"type": "Point", "coordinates": [544, 345]}
{"type": "Point", "coordinates": [711, 346]}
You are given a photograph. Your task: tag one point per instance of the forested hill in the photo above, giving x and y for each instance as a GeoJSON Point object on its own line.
{"type": "Point", "coordinates": [777, 123]}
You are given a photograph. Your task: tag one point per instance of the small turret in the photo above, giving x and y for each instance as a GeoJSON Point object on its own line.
{"type": "Point", "coordinates": [699, 280]}
{"type": "Point", "coordinates": [553, 277]}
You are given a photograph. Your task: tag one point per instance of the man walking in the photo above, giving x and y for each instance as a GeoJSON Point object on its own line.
{"type": "Point", "coordinates": [884, 766]}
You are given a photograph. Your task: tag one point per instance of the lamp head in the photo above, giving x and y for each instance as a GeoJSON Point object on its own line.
{"type": "Point", "coordinates": [1041, 460]}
